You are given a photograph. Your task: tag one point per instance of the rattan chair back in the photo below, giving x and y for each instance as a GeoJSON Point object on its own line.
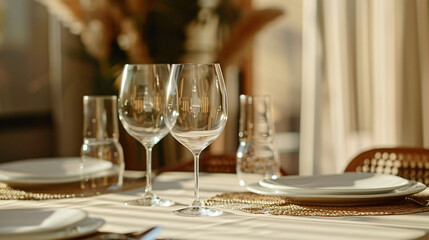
{"type": "Point", "coordinates": [409, 163]}
{"type": "Point", "coordinates": [210, 163]}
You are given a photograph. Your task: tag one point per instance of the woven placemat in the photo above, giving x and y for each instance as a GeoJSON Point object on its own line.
{"type": "Point", "coordinates": [276, 205]}
{"type": "Point", "coordinates": [61, 191]}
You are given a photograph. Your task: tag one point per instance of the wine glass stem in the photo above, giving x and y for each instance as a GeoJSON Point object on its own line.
{"type": "Point", "coordinates": [148, 190]}
{"type": "Point", "coordinates": [196, 202]}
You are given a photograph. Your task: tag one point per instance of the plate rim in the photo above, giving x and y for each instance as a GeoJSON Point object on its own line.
{"type": "Point", "coordinates": [79, 215]}
{"type": "Point", "coordinates": [413, 188]}
{"type": "Point", "coordinates": [26, 181]}
{"type": "Point", "coordinates": [270, 183]}
{"type": "Point", "coordinates": [40, 181]}
{"type": "Point", "coordinates": [85, 227]}
{"type": "Point", "coordinates": [9, 175]}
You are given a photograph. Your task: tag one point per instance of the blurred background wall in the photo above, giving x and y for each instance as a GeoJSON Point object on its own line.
{"type": "Point", "coordinates": [26, 124]}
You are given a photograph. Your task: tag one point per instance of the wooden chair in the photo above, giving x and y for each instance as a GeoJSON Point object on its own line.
{"type": "Point", "coordinates": [225, 163]}
{"type": "Point", "coordinates": [409, 163]}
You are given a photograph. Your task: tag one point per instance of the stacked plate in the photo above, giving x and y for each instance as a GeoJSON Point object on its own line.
{"type": "Point", "coordinates": [52, 223]}
{"type": "Point", "coordinates": [50, 170]}
{"type": "Point", "coordinates": [339, 189]}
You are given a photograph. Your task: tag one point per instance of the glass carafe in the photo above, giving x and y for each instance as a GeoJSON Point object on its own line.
{"type": "Point", "coordinates": [102, 157]}
{"type": "Point", "coordinates": [257, 157]}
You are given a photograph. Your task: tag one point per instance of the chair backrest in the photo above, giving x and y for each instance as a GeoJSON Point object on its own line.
{"type": "Point", "coordinates": [208, 163]}
{"type": "Point", "coordinates": [225, 163]}
{"type": "Point", "coordinates": [409, 163]}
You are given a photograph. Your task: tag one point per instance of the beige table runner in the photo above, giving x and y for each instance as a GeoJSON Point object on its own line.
{"type": "Point", "coordinates": [242, 201]}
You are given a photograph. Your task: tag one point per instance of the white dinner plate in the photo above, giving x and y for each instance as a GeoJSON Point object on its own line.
{"type": "Point", "coordinates": [79, 229]}
{"type": "Point", "coordinates": [341, 200]}
{"type": "Point", "coordinates": [31, 221]}
{"type": "Point", "coordinates": [51, 170]}
{"type": "Point", "coordinates": [345, 183]}
{"type": "Point", "coordinates": [50, 167]}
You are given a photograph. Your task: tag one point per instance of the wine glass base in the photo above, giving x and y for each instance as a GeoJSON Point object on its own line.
{"type": "Point", "coordinates": [154, 202]}
{"type": "Point", "coordinates": [198, 212]}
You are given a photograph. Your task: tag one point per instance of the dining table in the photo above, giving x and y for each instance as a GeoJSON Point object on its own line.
{"type": "Point", "coordinates": [233, 224]}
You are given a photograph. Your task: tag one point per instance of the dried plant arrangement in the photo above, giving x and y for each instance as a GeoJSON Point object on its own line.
{"type": "Point", "coordinates": [115, 32]}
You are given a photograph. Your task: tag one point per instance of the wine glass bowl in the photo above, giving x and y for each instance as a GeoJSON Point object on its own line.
{"type": "Point", "coordinates": [141, 111]}
{"type": "Point", "coordinates": [196, 114]}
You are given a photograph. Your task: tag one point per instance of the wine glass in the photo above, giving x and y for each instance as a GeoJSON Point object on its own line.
{"type": "Point", "coordinates": [196, 114]}
{"type": "Point", "coordinates": [141, 111]}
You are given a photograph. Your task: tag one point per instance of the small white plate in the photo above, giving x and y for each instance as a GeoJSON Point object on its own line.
{"type": "Point", "coordinates": [30, 221]}
{"type": "Point", "coordinates": [345, 183]}
{"type": "Point", "coordinates": [80, 229]}
{"type": "Point", "coordinates": [341, 200]}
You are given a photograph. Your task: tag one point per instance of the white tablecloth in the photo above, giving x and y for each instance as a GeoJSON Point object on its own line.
{"type": "Point", "coordinates": [178, 186]}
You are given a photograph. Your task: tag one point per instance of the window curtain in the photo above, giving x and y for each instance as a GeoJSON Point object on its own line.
{"type": "Point", "coordinates": [365, 79]}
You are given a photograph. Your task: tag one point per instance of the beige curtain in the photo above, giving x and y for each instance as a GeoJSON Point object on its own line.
{"type": "Point", "coordinates": [369, 88]}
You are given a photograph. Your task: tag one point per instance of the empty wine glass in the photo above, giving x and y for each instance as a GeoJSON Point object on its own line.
{"type": "Point", "coordinates": [141, 111]}
{"type": "Point", "coordinates": [196, 114]}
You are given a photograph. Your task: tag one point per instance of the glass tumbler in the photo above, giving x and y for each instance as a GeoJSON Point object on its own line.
{"type": "Point", "coordinates": [257, 157]}
{"type": "Point", "coordinates": [102, 157]}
